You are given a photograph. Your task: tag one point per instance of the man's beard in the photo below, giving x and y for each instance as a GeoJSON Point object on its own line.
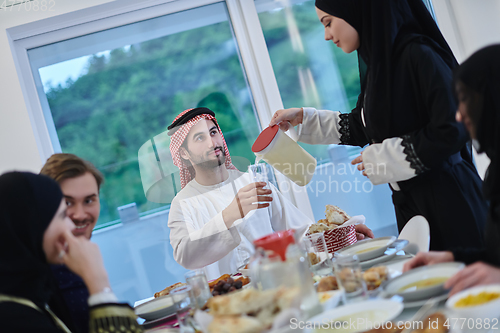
{"type": "Point", "coordinates": [208, 163]}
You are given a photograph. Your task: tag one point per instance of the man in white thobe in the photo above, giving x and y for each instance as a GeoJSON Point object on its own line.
{"type": "Point", "coordinates": [219, 211]}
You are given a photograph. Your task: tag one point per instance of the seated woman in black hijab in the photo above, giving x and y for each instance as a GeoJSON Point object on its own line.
{"type": "Point", "coordinates": [477, 83]}
{"type": "Point", "coordinates": [34, 233]}
{"type": "Point", "coordinates": [406, 112]}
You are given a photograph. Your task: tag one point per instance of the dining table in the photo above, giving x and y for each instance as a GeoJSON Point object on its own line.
{"type": "Point", "coordinates": [413, 313]}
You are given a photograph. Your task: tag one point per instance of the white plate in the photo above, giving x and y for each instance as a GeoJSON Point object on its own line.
{"type": "Point", "coordinates": [420, 303]}
{"type": "Point", "coordinates": [438, 271]}
{"type": "Point", "coordinates": [390, 253]}
{"type": "Point", "coordinates": [157, 308]}
{"type": "Point", "coordinates": [369, 312]}
{"type": "Point", "coordinates": [369, 248]}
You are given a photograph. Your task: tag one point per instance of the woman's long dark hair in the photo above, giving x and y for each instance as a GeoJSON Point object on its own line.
{"type": "Point", "coordinates": [480, 74]}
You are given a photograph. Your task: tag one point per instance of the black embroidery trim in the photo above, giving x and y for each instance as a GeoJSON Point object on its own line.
{"type": "Point", "coordinates": [411, 155]}
{"type": "Point", "coordinates": [345, 132]}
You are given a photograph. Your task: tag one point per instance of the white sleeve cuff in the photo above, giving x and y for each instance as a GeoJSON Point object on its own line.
{"type": "Point", "coordinates": [386, 162]}
{"type": "Point", "coordinates": [102, 297]}
{"type": "Point", "coordinates": [319, 127]}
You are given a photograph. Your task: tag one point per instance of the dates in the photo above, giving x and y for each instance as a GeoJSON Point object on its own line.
{"type": "Point", "coordinates": [226, 286]}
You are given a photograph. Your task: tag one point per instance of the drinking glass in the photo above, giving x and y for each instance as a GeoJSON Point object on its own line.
{"type": "Point", "coordinates": [260, 173]}
{"type": "Point", "coordinates": [350, 278]}
{"type": "Point", "coordinates": [199, 287]}
{"type": "Point", "coordinates": [319, 258]}
{"type": "Point", "coordinates": [184, 303]}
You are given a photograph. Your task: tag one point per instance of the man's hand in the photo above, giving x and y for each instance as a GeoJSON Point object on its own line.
{"type": "Point", "coordinates": [251, 197]}
{"type": "Point", "coordinates": [287, 117]}
{"type": "Point", "coordinates": [361, 166]}
{"type": "Point", "coordinates": [428, 258]}
{"type": "Point", "coordinates": [473, 275]}
{"type": "Point", "coordinates": [362, 231]}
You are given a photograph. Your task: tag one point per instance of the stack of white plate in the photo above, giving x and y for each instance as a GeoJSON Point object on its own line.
{"type": "Point", "coordinates": [158, 309]}
{"type": "Point", "coordinates": [375, 251]}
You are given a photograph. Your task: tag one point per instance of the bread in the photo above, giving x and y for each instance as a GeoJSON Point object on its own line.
{"type": "Point", "coordinates": [167, 290]}
{"type": "Point", "coordinates": [318, 227]}
{"type": "Point", "coordinates": [375, 276]}
{"type": "Point", "coordinates": [435, 318]}
{"type": "Point", "coordinates": [235, 324]}
{"type": "Point", "coordinates": [336, 215]}
{"type": "Point", "coordinates": [313, 258]}
{"type": "Point", "coordinates": [334, 218]}
{"type": "Point", "coordinates": [328, 283]}
{"type": "Point", "coordinates": [262, 306]}
{"type": "Point", "coordinates": [243, 302]}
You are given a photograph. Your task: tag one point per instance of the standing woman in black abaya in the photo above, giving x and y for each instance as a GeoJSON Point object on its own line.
{"type": "Point", "coordinates": [406, 112]}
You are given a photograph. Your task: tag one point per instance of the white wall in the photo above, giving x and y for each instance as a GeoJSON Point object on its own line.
{"type": "Point", "coordinates": [469, 25]}
{"type": "Point", "coordinates": [18, 149]}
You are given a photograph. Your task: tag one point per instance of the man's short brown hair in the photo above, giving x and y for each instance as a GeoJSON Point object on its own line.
{"type": "Point", "coordinates": [64, 166]}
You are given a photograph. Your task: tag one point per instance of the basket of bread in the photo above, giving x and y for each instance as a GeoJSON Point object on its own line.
{"type": "Point", "coordinates": [337, 227]}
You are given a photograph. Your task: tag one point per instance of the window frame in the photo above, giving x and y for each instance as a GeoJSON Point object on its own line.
{"type": "Point", "coordinates": [244, 20]}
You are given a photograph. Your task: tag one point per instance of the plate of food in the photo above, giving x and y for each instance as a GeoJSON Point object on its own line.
{"type": "Point", "coordinates": [481, 302]}
{"type": "Point", "coordinates": [329, 299]}
{"type": "Point", "coordinates": [227, 283]}
{"type": "Point", "coordinates": [391, 252]}
{"type": "Point", "coordinates": [369, 248]}
{"type": "Point", "coordinates": [362, 315]}
{"type": "Point", "coordinates": [159, 307]}
{"type": "Point", "coordinates": [422, 282]}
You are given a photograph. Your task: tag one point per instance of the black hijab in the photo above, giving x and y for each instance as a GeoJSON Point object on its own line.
{"type": "Point", "coordinates": [385, 27]}
{"type": "Point", "coordinates": [28, 202]}
{"type": "Point", "coordinates": [481, 74]}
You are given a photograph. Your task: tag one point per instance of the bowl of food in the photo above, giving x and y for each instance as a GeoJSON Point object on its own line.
{"type": "Point", "coordinates": [363, 316]}
{"type": "Point", "coordinates": [329, 299]}
{"type": "Point", "coordinates": [369, 248]}
{"type": "Point", "coordinates": [481, 302]}
{"type": "Point", "coordinates": [157, 308]}
{"type": "Point", "coordinates": [422, 282]}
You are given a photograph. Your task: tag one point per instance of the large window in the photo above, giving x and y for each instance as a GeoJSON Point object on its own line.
{"type": "Point", "coordinates": [309, 70]}
{"type": "Point", "coordinates": [108, 93]}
